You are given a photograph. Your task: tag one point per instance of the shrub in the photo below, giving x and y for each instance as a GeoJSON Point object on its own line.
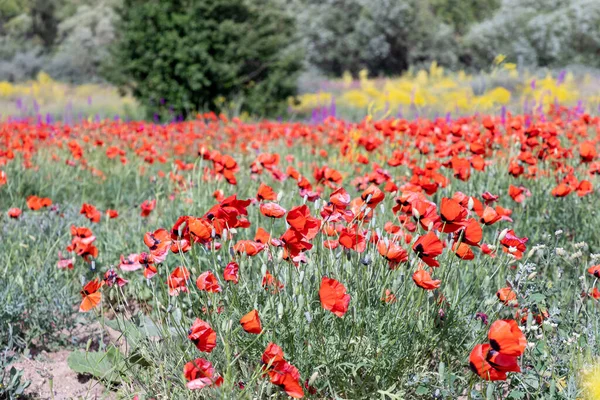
{"type": "Point", "coordinates": [383, 36]}
{"type": "Point", "coordinates": [539, 33]}
{"type": "Point", "coordinates": [182, 56]}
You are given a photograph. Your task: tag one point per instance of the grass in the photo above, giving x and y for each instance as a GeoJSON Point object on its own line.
{"type": "Point", "coordinates": [417, 346]}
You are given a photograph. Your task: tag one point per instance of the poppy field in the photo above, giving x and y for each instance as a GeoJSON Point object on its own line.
{"type": "Point", "coordinates": [446, 258]}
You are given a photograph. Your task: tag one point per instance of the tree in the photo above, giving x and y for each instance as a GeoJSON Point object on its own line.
{"type": "Point", "coordinates": [183, 56]}
{"type": "Point", "coordinates": [384, 36]}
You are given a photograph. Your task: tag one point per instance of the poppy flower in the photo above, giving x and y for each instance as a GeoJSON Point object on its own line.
{"type": "Point", "coordinates": [300, 220]}
{"type": "Point", "coordinates": [90, 212]}
{"type": "Point", "coordinates": [518, 193]}
{"type": "Point", "coordinates": [286, 376]}
{"type": "Point", "coordinates": [584, 188]}
{"type": "Point", "coordinates": [91, 295]}
{"type": "Point", "coordinates": [372, 196]}
{"type": "Point", "coordinates": [506, 337]}
{"type": "Point", "coordinates": [203, 336]}
{"type": "Point", "coordinates": [132, 263]}
{"type": "Point", "coordinates": [270, 282]}
{"type": "Point", "coordinates": [251, 248]}
{"type": "Point", "coordinates": [490, 216]}
{"type": "Point", "coordinates": [595, 270]}
{"type": "Point", "coordinates": [3, 178]}
{"type": "Point", "coordinates": [251, 322]}
{"type": "Point", "coordinates": [507, 296]}
{"type": "Point", "coordinates": [111, 278]}
{"type": "Point", "coordinates": [472, 232]}
{"type": "Point", "coordinates": [200, 373]}
{"type": "Point", "coordinates": [423, 280]}
{"type": "Point", "coordinates": [265, 192]}
{"type": "Point", "coordinates": [340, 198]}
{"type": "Point", "coordinates": [333, 296]}
{"type": "Point", "coordinates": [512, 243]}
{"type": "Point", "coordinates": [350, 238]}
{"type": "Point", "coordinates": [177, 281]}
{"type": "Point", "coordinates": [14, 212]}
{"type": "Point", "coordinates": [147, 206]}
{"type": "Point", "coordinates": [392, 252]}
{"type": "Point", "coordinates": [428, 247]}
{"type": "Point", "coordinates": [389, 297]}
{"type": "Point", "coordinates": [463, 251]}
{"type": "Point", "coordinates": [230, 273]}
{"type": "Point", "coordinates": [281, 372]}
{"type": "Point", "coordinates": [561, 190]}
{"type": "Point", "coordinates": [159, 243]}
{"type": "Point", "coordinates": [481, 366]}
{"type": "Point", "coordinates": [452, 214]}
{"type": "Point", "coordinates": [272, 210]}
{"type": "Point", "coordinates": [35, 203]}
{"type": "Point", "coordinates": [207, 281]}
{"type": "Point", "coordinates": [65, 262]}
{"type": "Point", "coordinates": [112, 214]}
{"type": "Point", "coordinates": [587, 152]}
{"type": "Point", "coordinates": [489, 198]}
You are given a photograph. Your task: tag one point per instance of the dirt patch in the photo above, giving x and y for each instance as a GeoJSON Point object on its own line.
{"type": "Point", "coordinates": [49, 372]}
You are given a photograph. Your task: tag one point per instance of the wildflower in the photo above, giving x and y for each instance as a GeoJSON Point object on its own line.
{"type": "Point", "coordinates": [251, 322]}
{"type": "Point", "coordinates": [203, 336]}
{"type": "Point", "coordinates": [333, 296]}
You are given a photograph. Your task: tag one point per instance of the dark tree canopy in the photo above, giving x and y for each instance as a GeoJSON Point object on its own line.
{"type": "Point", "coordinates": [183, 56]}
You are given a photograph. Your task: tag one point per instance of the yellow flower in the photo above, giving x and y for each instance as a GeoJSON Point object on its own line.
{"type": "Point", "coordinates": [590, 382]}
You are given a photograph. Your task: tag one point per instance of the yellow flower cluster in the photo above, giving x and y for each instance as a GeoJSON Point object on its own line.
{"type": "Point", "coordinates": [437, 91]}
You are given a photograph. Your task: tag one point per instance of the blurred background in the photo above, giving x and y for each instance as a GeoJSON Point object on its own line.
{"type": "Point", "coordinates": [298, 59]}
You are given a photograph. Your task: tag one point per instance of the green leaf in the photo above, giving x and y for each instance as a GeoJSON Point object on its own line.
{"type": "Point", "coordinates": [422, 390]}
{"type": "Point", "coordinates": [100, 364]}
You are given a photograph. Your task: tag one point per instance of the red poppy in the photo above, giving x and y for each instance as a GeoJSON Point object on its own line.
{"type": "Point", "coordinates": [270, 282]}
{"type": "Point", "coordinates": [595, 270]}
{"type": "Point", "coordinates": [392, 252]}
{"type": "Point", "coordinates": [91, 295]}
{"type": "Point", "coordinates": [513, 244]}
{"type": "Point", "coordinates": [490, 216]}
{"type": "Point", "coordinates": [200, 373]}
{"type": "Point", "coordinates": [428, 247]}
{"type": "Point", "coordinates": [203, 336]}
{"type": "Point", "coordinates": [14, 212]}
{"type": "Point", "coordinates": [506, 337]}
{"type": "Point", "coordinates": [423, 280]}
{"type": "Point", "coordinates": [340, 198]}
{"type": "Point", "coordinates": [112, 213]}
{"type": "Point", "coordinates": [351, 238]}
{"type": "Point", "coordinates": [159, 243]}
{"type": "Point", "coordinates": [372, 196]}
{"type": "Point", "coordinates": [112, 278]}
{"type": "Point", "coordinates": [463, 251]}
{"type": "Point", "coordinates": [251, 248]}
{"type": "Point", "coordinates": [518, 193]}
{"type": "Point", "coordinates": [300, 220]}
{"type": "Point", "coordinates": [251, 322]}
{"type": "Point", "coordinates": [281, 372]}
{"type": "Point", "coordinates": [132, 263]}
{"type": "Point", "coordinates": [478, 361]}
{"type": "Point", "coordinates": [333, 296]}
{"type": "Point", "coordinates": [90, 212]}
{"type": "Point", "coordinates": [147, 206]}
{"type": "Point", "coordinates": [561, 190]}
{"type": "Point", "coordinates": [272, 210]}
{"type": "Point", "coordinates": [207, 281]}
{"type": "Point", "coordinates": [507, 296]}
{"type": "Point", "coordinates": [230, 273]}
{"type": "Point", "coordinates": [265, 192]}
{"type": "Point", "coordinates": [177, 281]}
{"type": "Point", "coordinates": [452, 215]}
{"type": "Point", "coordinates": [35, 203]}
{"type": "Point", "coordinates": [584, 188]}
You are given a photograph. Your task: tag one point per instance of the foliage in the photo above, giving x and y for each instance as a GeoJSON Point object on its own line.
{"type": "Point", "coordinates": [406, 348]}
{"type": "Point", "coordinates": [11, 384]}
{"type": "Point", "coordinates": [205, 53]}
{"type": "Point", "coordinates": [382, 36]}
{"type": "Point", "coordinates": [539, 32]}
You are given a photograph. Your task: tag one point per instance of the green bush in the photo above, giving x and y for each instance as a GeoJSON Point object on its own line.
{"type": "Point", "coordinates": [183, 56]}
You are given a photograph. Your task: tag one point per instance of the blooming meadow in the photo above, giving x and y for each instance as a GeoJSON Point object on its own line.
{"type": "Point", "coordinates": [393, 258]}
